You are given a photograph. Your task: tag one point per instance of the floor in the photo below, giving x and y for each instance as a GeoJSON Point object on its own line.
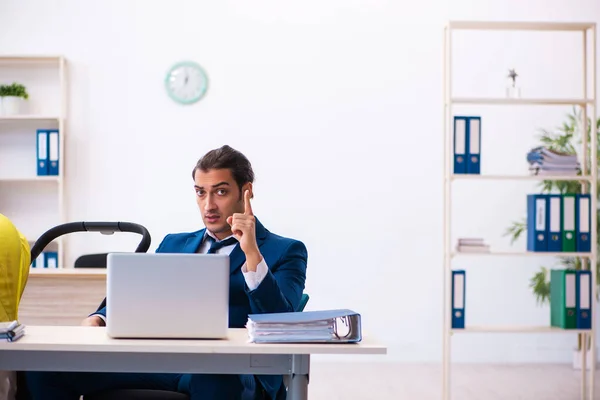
{"type": "Point", "coordinates": [423, 382]}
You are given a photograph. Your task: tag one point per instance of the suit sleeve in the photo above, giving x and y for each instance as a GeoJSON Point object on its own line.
{"type": "Point", "coordinates": [282, 287]}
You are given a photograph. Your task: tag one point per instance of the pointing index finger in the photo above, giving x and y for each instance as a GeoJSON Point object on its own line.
{"type": "Point", "coordinates": [247, 206]}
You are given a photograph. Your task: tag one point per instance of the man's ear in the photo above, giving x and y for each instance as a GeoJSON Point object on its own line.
{"type": "Point", "coordinates": [248, 186]}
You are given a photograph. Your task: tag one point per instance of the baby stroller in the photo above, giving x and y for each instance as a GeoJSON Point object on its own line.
{"type": "Point", "coordinates": [106, 228]}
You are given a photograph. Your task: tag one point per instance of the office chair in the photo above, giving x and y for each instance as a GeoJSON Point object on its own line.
{"type": "Point", "coordinates": [91, 261]}
{"type": "Point", "coordinates": [142, 394]}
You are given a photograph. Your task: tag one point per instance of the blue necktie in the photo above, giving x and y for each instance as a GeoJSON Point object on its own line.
{"type": "Point", "coordinates": [214, 246]}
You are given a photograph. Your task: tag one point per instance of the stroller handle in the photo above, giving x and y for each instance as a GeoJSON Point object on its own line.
{"type": "Point", "coordinates": [106, 228]}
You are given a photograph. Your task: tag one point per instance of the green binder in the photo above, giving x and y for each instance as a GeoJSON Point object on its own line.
{"type": "Point", "coordinates": [568, 223]}
{"type": "Point", "coordinates": [562, 299]}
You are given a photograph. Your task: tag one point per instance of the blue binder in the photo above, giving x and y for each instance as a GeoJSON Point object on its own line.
{"type": "Point", "coordinates": [584, 222]}
{"type": "Point", "coordinates": [42, 152]}
{"type": "Point", "coordinates": [554, 222]}
{"type": "Point", "coordinates": [458, 298]}
{"type": "Point", "coordinates": [51, 259]}
{"type": "Point", "coordinates": [460, 145]}
{"type": "Point", "coordinates": [53, 152]}
{"type": "Point", "coordinates": [474, 147]}
{"type": "Point", "coordinates": [583, 303]}
{"type": "Point", "coordinates": [537, 222]}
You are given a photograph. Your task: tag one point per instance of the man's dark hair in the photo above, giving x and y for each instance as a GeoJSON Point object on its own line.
{"type": "Point", "coordinates": [227, 157]}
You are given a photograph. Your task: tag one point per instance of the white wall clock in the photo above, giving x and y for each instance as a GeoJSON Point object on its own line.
{"type": "Point", "coordinates": [186, 82]}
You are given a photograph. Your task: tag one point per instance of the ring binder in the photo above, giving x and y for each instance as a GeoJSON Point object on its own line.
{"type": "Point", "coordinates": [329, 326]}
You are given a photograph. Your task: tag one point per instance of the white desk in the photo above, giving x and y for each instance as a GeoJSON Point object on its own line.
{"type": "Point", "coordinates": [88, 349]}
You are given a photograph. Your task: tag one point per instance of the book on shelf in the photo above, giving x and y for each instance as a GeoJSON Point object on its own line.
{"type": "Point", "coordinates": [472, 245]}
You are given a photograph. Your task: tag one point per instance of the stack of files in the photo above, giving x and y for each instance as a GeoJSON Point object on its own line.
{"type": "Point", "coordinates": [11, 331]}
{"type": "Point", "coordinates": [472, 245]}
{"type": "Point", "coordinates": [570, 299]}
{"type": "Point", "coordinates": [544, 161]}
{"type": "Point", "coordinates": [559, 222]}
{"type": "Point", "coordinates": [329, 326]}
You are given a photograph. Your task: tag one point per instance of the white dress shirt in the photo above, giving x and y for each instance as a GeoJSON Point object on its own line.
{"type": "Point", "coordinates": [253, 278]}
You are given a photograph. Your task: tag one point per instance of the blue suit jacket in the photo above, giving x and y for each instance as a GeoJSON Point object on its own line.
{"type": "Point", "coordinates": [280, 291]}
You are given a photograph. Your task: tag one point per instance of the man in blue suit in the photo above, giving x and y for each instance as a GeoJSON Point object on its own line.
{"type": "Point", "coordinates": [268, 274]}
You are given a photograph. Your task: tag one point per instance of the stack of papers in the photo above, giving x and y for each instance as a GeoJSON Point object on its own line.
{"type": "Point", "coordinates": [472, 245]}
{"type": "Point", "coordinates": [305, 327]}
{"type": "Point", "coordinates": [11, 331]}
{"type": "Point", "coordinates": [543, 161]}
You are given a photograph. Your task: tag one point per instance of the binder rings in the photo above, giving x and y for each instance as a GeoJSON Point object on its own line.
{"type": "Point", "coordinates": [584, 299]}
{"type": "Point", "coordinates": [568, 223]}
{"type": "Point", "coordinates": [474, 140]}
{"type": "Point", "coordinates": [537, 217]}
{"type": "Point", "coordinates": [458, 299]}
{"type": "Point", "coordinates": [582, 211]}
{"type": "Point", "coordinates": [42, 152]}
{"type": "Point", "coordinates": [563, 299]}
{"type": "Point", "coordinates": [554, 222]}
{"type": "Point", "coordinates": [53, 150]}
{"type": "Point", "coordinates": [460, 145]}
{"type": "Point", "coordinates": [330, 326]}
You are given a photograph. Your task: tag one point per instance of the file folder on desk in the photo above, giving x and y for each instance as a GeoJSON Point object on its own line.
{"type": "Point", "coordinates": [329, 326]}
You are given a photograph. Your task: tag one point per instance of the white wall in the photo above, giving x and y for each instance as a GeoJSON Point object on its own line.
{"type": "Point", "coordinates": [338, 105]}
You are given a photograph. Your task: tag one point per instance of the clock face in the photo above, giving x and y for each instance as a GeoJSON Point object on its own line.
{"type": "Point", "coordinates": [186, 82]}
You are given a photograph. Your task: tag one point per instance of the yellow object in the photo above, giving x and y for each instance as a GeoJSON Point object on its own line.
{"type": "Point", "coordinates": [15, 257]}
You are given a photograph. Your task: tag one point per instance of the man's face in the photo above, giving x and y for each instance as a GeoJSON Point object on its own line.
{"type": "Point", "coordinates": [218, 197]}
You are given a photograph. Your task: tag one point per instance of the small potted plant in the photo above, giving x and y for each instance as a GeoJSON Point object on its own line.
{"type": "Point", "coordinates": [12, 97]}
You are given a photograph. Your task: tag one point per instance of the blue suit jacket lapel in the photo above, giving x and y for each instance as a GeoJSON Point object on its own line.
{"type": "Point", "coordinates": [237, 258]}
{"type": "Point", "coordinates": [193, 243]}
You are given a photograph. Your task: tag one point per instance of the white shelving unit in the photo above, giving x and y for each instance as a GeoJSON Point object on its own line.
{"type": "Point", "coordinates": [34, 203]}
{"type": "Point", "coordinates": [588, 180]}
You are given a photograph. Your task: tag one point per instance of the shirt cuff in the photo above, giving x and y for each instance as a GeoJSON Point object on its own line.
{"type": "Point", "coordinates": [254, 278]}
{"type": "Point", "coordinates": [101, 317]}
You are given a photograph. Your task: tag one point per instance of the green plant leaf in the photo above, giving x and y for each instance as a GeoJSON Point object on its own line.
{"type": "Point", "coordinates": [541, 286]}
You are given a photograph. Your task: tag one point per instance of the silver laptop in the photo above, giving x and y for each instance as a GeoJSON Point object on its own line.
{"type": "Point", "coordinates": [160, 295]}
